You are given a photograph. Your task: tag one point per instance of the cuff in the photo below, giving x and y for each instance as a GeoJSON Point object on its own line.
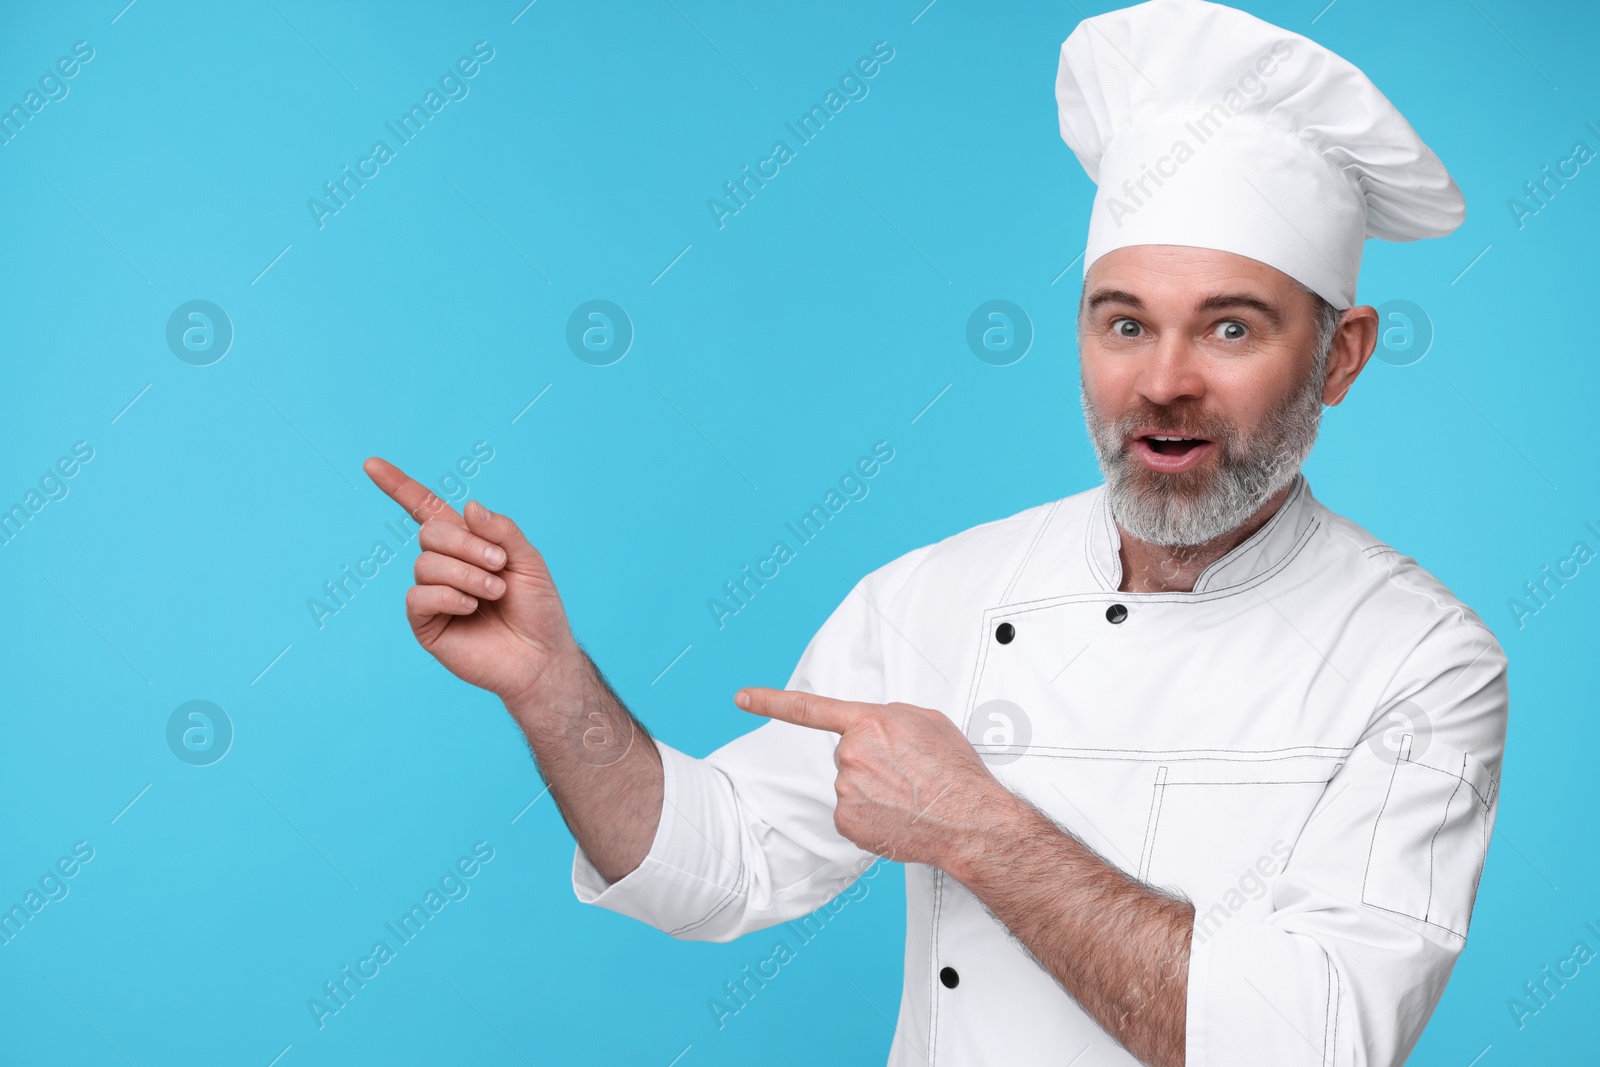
{"type": "Point", "coordinates": [686, 878]}
{"type": "Point", "coordinates": [1257, 995]}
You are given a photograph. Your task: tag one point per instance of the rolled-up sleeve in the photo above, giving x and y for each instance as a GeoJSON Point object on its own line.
{"type": "Point", "coordinates": [688, 877]}
{"type": "Point", "coordinates": [746, 838]}
{"type": "Point", "coordinates": [1372, 909]}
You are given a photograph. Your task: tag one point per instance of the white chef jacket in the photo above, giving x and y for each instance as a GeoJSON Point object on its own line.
{"type": "Point", "coordinates": [1307, 747]}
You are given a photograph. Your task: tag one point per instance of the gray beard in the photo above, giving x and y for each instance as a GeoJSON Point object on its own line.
{"type": "Point", "coordinates": [1200, 505]}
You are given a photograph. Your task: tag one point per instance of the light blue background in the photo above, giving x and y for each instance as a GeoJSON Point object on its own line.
{"type": "Point", "coordinates": [823, 317]}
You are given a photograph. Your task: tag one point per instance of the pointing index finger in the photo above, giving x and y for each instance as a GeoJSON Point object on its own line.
{"type": "Point", "coordinates": [802, 709]}
{"type": "Point", "coordinates": [420, 502]}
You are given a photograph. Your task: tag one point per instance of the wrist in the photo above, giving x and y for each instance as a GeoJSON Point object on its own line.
{"type": "Point", "coordinates": [552, 688]}
{"type": "Point", "coordinates": [985, 845]}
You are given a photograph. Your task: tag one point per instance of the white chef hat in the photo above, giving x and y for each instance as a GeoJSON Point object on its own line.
{"type": "Point", "coordinates": [1205, 126]}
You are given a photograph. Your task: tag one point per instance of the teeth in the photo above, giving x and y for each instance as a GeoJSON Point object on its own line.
{"type": "Point", "coordinates": [1158, 437]}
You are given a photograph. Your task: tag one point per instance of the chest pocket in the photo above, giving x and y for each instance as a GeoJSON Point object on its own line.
{"type": "Point", "coordinates": [1214, 826]}
{"type": "Point", "coordinates": [1220, 827]}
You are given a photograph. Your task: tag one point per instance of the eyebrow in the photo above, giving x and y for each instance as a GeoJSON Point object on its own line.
{"type": "Point", "coordinates": [1215, 302]}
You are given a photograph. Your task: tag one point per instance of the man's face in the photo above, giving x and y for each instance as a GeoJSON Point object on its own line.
{"type": "Point", "coordinates": [1210, 347]}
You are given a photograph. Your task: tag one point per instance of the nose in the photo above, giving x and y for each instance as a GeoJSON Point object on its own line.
{"type": "Point", "coordinates": [1170, 371]}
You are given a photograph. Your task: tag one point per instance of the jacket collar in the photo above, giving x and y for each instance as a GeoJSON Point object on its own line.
{"type": "Point", "coordinates": [1257, 554]}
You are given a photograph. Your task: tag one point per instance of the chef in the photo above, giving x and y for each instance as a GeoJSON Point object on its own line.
{"type": "Point", "coordinates": [1184, 768]}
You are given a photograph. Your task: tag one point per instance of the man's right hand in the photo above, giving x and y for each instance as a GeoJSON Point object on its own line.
{"type": "Point", "coordinates": [484, 604]}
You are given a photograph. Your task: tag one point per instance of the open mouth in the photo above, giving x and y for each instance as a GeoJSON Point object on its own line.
{"type": "Point", "coordinates": [1173, 446]}
{"type": "Point", "coordinates": [1171, 453]}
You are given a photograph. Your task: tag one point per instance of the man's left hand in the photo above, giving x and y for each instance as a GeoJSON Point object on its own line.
{"type": "Point", "coordinates": [911, 787]}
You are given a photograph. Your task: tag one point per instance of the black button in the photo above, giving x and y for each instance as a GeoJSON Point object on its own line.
{"type": "Point", "coordinates": [1116, 613]}
{"type": "Point", "coordinates": [949, 977]}
{"type": "Point", "coordinates": [1004, 633]}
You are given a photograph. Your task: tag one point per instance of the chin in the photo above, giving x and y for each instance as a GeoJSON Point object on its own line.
{"type": "Point", "coordinates": [1174, 510]}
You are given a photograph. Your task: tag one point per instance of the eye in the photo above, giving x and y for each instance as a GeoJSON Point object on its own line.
{"type": "Point", "coordinates": [1230, 330]}
{"type": "Point", "coordinates": [1124, 327]}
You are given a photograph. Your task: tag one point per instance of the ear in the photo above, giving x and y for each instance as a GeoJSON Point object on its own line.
{"type": "Point", "coordinates": [1354, 341]}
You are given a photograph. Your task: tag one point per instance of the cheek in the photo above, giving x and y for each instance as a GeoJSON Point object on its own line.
{"type": "Point", "coordinates": [1250, 392]}
{"type": "Point", "coordinates": [1108, 381]}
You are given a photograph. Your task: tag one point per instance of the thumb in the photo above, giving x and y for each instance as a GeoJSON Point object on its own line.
{"type": "Point", "coordinates": [520, 553]}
